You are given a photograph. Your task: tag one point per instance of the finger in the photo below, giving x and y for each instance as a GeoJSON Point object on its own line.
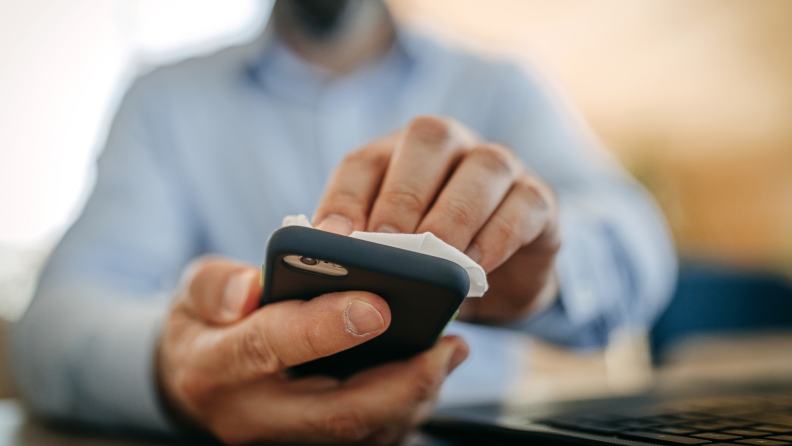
{"type": "Point", "coordinates": [517, 289]}
{"type": "Point", "coordinates": [351, 190]}
{"type": "Point", "coordinates": [220, 291]}
{"type": "Point", "coordinates": [476, 188]}
{"type": "Point", "coordinates": [379, 404]}
{"type": "Point", "coordinates": [280, 335]}
{"type": "Point", "coordinates": [429, 149]}
{"type": "Point", "coordinates": [528, 212]}
{"type": "Point", "coordinates": [437, 362]}
{"type": "Point", "coordinates": [386, 401]}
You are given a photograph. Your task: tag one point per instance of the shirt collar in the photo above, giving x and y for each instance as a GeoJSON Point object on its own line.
{"type": "Point", "coordinates": [283, 73]}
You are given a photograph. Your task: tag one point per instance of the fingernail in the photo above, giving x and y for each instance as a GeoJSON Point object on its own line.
{"type": "Point", "coordinates": [362, 319]}
{"type": "Point", "coordinates": [460, 354]}
{"type": "Point", "coordinates": [337, 224]}
{"type": "Point", "coordinates": [388, 229]}
{"type": "Point", "coordinates": [474, 253]}
{"type": "Point", "coordinates": [235, 294]}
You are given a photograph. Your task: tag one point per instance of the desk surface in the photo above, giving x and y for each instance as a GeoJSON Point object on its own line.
{"type": "Point", "coordinates": [18, 429]}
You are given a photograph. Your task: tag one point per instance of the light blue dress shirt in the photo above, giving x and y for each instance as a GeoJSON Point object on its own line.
{"type": "Point", "coordinates": [208, 155]}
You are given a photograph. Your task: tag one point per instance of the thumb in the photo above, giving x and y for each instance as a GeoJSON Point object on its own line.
{"type": "Point", "coordinates": [288, 333]}
{"type": "Point", "coordinates": [220, 291]}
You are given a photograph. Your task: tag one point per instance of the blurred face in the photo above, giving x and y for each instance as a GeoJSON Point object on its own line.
{"type": "Point", "coordinates": [338, 35]}
{"type": "Point", "coordinates": [318, 18]}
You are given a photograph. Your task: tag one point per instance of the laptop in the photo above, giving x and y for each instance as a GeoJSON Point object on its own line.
{"type": "Point", "coordinates": [727, 385]}
{"type": "Point", "coordinates": [734, 390]}
{"type": "Point", "coordinates": [744, 417]}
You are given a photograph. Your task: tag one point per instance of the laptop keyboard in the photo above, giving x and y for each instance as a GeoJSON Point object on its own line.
{"type": "Point", "coordinates": [754, 420]}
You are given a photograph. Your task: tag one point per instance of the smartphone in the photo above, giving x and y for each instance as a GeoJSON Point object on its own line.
{"type": "Point", "coordinates": [422, 291]}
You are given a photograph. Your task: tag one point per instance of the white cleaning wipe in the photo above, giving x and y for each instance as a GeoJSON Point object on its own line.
{"type": "Point", "coordinates": [426, 243]}
{"type": "Point", "coordinates": [296, 220]}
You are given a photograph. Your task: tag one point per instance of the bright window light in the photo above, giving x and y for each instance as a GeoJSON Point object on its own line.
{"type": "Point", "coordinates": [62, 67]}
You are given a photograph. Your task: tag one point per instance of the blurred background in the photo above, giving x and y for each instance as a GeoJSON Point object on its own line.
{"type": "Point", "coordinates": [693, 97]}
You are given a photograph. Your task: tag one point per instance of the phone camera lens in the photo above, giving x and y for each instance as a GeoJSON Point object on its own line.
{"type": "Point", "coordinates": [308, 261]}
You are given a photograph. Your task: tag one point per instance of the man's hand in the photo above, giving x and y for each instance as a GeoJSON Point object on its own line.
{"type": "Point", "coordinates": [221, 364]}
{"type": "Point", "coordinates": [436, 176]}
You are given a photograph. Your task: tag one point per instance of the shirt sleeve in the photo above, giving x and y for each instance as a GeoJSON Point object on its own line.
{"type": "Point", "coordinates": [85, 348]}
{"type": "Point", "coordinates": [617, 264]}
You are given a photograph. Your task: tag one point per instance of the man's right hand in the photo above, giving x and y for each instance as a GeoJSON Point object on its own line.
{"type": "Point", "coordinates": [221, 364]}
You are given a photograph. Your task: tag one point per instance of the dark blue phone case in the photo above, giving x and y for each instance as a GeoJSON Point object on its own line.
{"type": "Point", "coordinates": [422, 291]}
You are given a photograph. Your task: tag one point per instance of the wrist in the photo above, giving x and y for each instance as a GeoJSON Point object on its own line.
{"type": "Point", "coordinates": [509, 301]}
{"type": "Point", "coordinates": [175, 412]}
{"type": "Point", "coordinates": [546, 297]}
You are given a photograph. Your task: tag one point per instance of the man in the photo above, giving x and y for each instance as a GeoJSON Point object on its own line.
{"type": "Point", "coordinates": [207, 156]}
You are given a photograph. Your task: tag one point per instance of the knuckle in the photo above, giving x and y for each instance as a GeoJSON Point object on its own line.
{"type": "Point", "coordinates": [190, 387]}
{"type": "Point", "coordinates": [255, 350]}
{"type": "Point", "coordinates": [312, 337]}
{"type": "Point", "coordinates": [461, 212]}
{"type": "Point", "coordinates": [431, 130]}
{"type": "Point", "coordinates": [367, 158]}
{"type": "Point", "coordinates": [196, 271]}
{"type": "Point", "coordinates": [423, 389]}
{"type": "Point", "coordinates": [345, 426]}
{"type": "Point", "coordinates": [496, 159]}
{"type": "Point", "coordinates": [533, 194]}
{"type": "Point", "coordinates": [424, 382]}
{"type": "Point", "coordinates": [505, 230]}
{"type": "Point", "coordinates": [405, 199]}
{"type": "Point", "coordinates": [346, 199]}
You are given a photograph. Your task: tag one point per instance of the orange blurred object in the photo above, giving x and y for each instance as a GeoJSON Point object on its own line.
{"type": "Point", "coordinates": [694, 97]}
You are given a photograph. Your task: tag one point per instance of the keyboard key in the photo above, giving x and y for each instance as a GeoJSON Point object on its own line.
{"type": "Point", "coordinates": [636, 424]}
{"type": "Point", "coordinates": [604, 417]}
{"type": "Point", "coordinates": [770, 418]}
{"type": "Point", "coordinates": [664, 419]}
{"type": "Point", "coordinates": [675, 430]}
{"type": "Point", "coordinates": [665, 438]}
{"type": "Point", "coordinates": [566, 422]}
{"type": "Point", "coordinates": [747, 433]}
{"type": "Point", "coordinates": [599, 428]}
{"type": "Point", "coordinates": [763, 442]}
{"type": "Point", "coordinates": [773, 428]}
{"type": "Point", "coordinates": [781, 437]}
{"type": "Point", "coordinates": [705, 426]}
{"type": "Point", "coordinates": [578, 424]}
{"type": "Point", "coordinates": [733, 422]}
{"type": "Point", "coordinates": [717, 436]}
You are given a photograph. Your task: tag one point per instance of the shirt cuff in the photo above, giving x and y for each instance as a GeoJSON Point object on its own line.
{"type": "Point", "coordinates": [554, 325]}
{"type": "Point", "coordinates": [497, 361]}
{"type": "Point", "coordinates": [117, 373]}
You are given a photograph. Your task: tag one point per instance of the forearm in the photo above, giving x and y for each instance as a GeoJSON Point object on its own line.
{"type": "Point", "coordinates": [82, 355]}
{"type": "Point", "coordinates": [617, 267]}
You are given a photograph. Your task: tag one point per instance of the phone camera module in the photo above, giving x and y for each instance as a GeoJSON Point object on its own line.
{"type": "Point", "coordinates": [315, 265]}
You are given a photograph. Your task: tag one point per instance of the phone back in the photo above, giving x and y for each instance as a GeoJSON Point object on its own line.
{"type": "Point", "coordinates": [423, 292]}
